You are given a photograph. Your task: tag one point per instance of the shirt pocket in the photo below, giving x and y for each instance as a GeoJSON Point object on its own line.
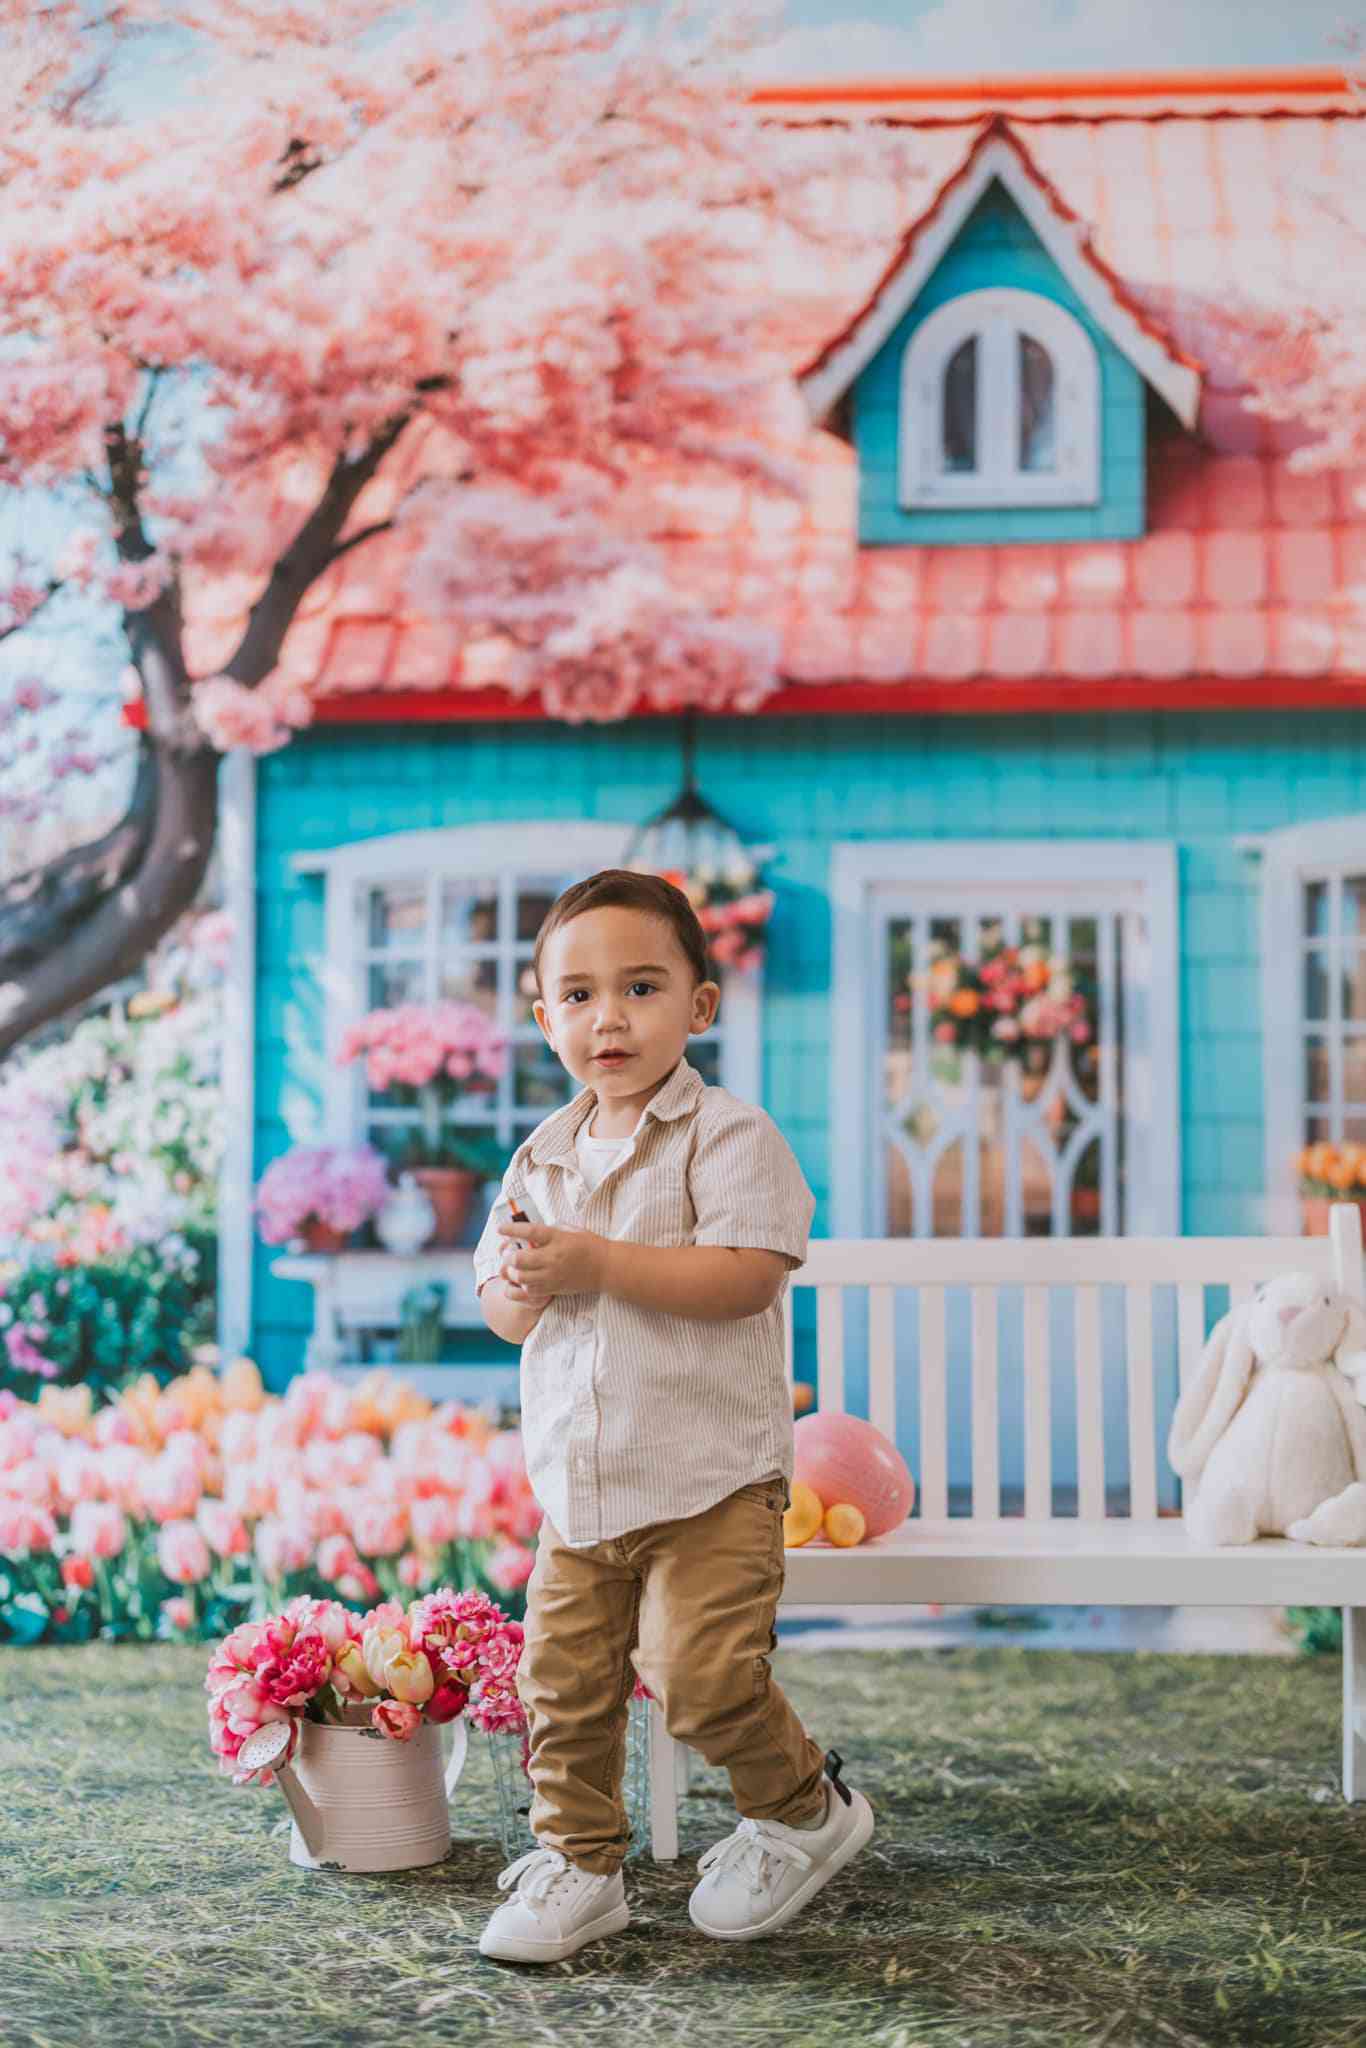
{"type": "Point", "coordinates": [653, 1206]}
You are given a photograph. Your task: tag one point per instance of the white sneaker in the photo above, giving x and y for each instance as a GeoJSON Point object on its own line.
{"type": "Point", "coordinates": [764, 1873]}
{"type": "Point", "coordinates": [555, 1909]}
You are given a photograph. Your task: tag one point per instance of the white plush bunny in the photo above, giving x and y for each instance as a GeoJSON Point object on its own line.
{"type": "Point", "coordinates": [1273, 1426]}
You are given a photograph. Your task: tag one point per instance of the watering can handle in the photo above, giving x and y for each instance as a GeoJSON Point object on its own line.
{"type": "Point", "coordinates": [459, 1750]}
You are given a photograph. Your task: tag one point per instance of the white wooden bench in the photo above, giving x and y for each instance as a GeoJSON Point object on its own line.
{"type": "Point", "coordinates": [1096, 1557]}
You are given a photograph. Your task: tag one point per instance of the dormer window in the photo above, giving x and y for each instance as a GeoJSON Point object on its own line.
{"type": "Point", "coordinates": [1000, 405]}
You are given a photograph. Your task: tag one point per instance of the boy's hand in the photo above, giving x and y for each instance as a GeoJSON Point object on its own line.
{"type": "Point", "coordinates": [542, 1260]}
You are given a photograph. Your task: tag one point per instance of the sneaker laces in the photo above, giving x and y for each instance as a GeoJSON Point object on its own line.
{"type": "Point", "coordinates": [540, 1870]}
{"type": "Point", "coordinates": [744, 1851]}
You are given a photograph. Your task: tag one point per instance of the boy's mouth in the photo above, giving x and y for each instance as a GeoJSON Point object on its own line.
{"type": "Point", "coordinates": [612, 1059]}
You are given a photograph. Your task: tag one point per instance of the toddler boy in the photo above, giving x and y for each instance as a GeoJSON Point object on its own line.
{"type": "Point", "coordinates": [657, 1430]}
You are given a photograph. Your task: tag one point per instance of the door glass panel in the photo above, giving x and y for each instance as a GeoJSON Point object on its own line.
{"type": "Point", "coordinates": [538, 1077]}
{"type": "Point", "coordinates": [998, 1050]}
{"type": "Point", "coordinates": [704, 1054]}
{"type": "Point", "coordinates": [1353, 1070]}
{"type": "Point", "coordinates": [1353, 906]}
{"type": "Point", "coordinates": [1354, 983]}
{"type": "Point", "coordinates": [1316, 910]}
{"type": "Point", "coordinates": [1316, 1082]}
{"type": "Point", "coordinates": [1316, 983]}
{"type": "Point", "coordinates": [470, 981]}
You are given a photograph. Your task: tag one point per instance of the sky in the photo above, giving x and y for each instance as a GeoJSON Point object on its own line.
{"type": "Point", "coordinates": [872, 38]}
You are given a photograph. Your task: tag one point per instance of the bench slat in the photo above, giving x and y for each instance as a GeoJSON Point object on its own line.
{"type": "Point", "coordinates": [830, 1348]}
{"type": "Point", "coordinates": [986, 1454]}
{"type": "Point", "coordinates": [1090, 1425]}
{"type": "Point", "coordinates": [1190, 1331]}
{"type": "Point", "coordinates": [1058, 1262]}
{"type": "Point", "coordinates": [934, 1409]}
{"type": "Point", "coordinates": [881, 1361]}
{"type": "Point", "coordinates": [1037, 1407]}
{"type": "Point", "coordinates": [1138, 1373]}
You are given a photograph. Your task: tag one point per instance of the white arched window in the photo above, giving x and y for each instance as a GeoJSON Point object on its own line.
{"type": "Point", "coordinates": [1000, 405]}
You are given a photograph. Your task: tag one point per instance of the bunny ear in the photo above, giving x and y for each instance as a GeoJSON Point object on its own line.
{"type": "Point", "coordinates": [1210, 1402]}
{"type": "Point", "coordinates": [1350, 1356]}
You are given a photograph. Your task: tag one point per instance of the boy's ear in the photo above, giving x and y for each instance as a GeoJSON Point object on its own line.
{"type": "Point", "coordinates": [539, 1012]}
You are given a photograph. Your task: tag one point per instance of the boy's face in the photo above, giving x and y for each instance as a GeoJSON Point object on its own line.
{"type": "Point", "coordinates": [617, 980]}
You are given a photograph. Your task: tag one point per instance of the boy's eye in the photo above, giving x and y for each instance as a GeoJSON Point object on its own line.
{"type": "Point", "coordinates": [634, 985]}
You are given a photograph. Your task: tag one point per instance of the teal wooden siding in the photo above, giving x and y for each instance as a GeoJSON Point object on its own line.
{"type": "Point", "coordinates": [997, 246]}
{"type": "Point", "coordinates": [1197, 781]}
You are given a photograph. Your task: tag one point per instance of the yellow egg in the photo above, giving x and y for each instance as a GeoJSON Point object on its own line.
{"type": "Point", "coordinates": [803, 1518]}
{"type": "Point", "coordinates": [844, 1524]}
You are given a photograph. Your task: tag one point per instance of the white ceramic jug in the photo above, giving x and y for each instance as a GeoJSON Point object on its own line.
{"type": "Point", "coordinates": [362, 1801]}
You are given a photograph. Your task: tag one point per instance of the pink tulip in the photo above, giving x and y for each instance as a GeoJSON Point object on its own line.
{"type": "Point", "coordinates": [98, 1529]}
{"type": "Point", "coordinates": [224, 1532]}
{"type": "Point", "coordinates": [336, 1557]}
{"type": "Point", "coordinates": [510, 1566]}
{"type": "Point", "coordinates": [433, 1522]}
{"type": "Point", "coordinates": [446, 1702]}
{"type": "Point", "coordinates": [179, 1612]}
{"type": "Point", "coordinates": [183, 1554]}
{"type": "Point", "coordinates": [380, 1528]}
{"type": "Point", "coordinates": [396, 1718]}
{"type": "Point", "coordinates": [78, 1574]}
{"type": "Point", "coordinates": [412, 1570]}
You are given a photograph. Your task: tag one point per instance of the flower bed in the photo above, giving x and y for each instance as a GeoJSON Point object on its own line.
{"type": "Point", "coordinates": [180, 1511]}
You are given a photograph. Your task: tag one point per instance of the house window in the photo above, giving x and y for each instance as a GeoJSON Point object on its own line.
{"type": "Point", "coordinates": [1314, 997]}
{"type": "Point", "coordinates": [1000, 405]}
{"type": "Point", "coordinates": [452, 915]}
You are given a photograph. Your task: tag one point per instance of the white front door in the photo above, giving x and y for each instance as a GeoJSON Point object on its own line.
{"type": "Point", "coordinates": [961, 1108]}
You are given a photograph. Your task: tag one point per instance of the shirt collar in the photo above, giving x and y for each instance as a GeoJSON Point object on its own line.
{"type": "Point", "coordinates": [553, 1143]}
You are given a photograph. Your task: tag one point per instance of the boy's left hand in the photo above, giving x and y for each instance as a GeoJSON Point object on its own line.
{"type": "Point", "coordinates": [543, 1259]}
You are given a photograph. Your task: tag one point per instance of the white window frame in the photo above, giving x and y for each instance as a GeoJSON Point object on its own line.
{"type": "Point", "coordinates": [1067, 870]}
{"type": "Point", "coordinates": [573, 847]}
{"type": "Point", "coordinates": [1324, 851]}
{"type": "Point", "coordinates": [998, 316]}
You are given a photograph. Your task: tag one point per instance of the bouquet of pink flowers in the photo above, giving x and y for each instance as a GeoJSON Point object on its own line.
{"type": "Point", "coordinates": [428, 1055]}
{"type": "Point", "coordinates": [449, 1653]}
{"type": "Point", "coordinates": [731, 911]}
{"type": "Point", "coordinates": [339, 1186]}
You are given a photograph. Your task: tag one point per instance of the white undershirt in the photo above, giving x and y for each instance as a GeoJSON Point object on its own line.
{"type": "Point", "coordinates": [597, 1156]}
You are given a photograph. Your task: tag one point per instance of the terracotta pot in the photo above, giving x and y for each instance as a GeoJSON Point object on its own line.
{"type": "Point", "coordinates": [321, 1237]}
{"type": "Point", "coordinates": [451, 1191]}
{"type": "Point", "coordinates": [1314, 1212]}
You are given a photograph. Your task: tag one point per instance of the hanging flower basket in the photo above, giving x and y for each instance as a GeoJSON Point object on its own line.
{"type": "Point", "coordinates": [731, 911]}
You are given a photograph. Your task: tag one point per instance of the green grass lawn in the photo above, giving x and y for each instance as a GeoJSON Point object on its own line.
{"type": "Point", "coordinates": [1125, 1851]}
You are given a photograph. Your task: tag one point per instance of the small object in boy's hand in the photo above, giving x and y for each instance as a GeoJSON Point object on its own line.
{"type": "Point", "coordinates": [524, 1210]}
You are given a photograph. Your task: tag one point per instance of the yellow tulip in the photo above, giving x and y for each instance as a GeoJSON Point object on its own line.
{"type": "Point", "coordinates": [351, 1664]}
{"type": "Point", "coordinates": [377, 1646]}
{"type": "Point", "coordinates": [409, 1676]}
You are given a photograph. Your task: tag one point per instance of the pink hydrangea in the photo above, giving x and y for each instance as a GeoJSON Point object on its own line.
{"type": "Point", "coordinates": [340, 1186]}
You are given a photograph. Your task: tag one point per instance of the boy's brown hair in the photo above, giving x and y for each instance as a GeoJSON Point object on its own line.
{"type": "Point", "coordinates": [621, 888]}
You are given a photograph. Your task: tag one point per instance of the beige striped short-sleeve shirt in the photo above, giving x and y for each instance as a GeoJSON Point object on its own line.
{"type": "Point", "coordinates": [632, 1415]}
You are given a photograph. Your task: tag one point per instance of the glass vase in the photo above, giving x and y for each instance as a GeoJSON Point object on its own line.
{"type": "Point", "coordinates": [514, 1786]}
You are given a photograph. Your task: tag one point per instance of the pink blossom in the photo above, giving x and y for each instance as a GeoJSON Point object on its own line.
{"type": "Point", "coordinates": [179, 1612]}
{"type": "Point", "coordinates": [336, 1557]}
{"type": "Point", "coordinates": [433, 1522]}
{"type": "Point", "coordinates": [446, 1702]}
{"type": "Point", "coordinates": [412, 1570]}
{"type": "Point", "coordinates": [341, 1186]}
{"type": "Point", "coordinates": [281, 1546]}
{"type": "Point", "coordinates": [171, 1487]}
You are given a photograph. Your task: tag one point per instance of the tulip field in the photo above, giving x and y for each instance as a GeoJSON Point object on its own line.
{"type": "Point", "coordinates": [175, 1512]}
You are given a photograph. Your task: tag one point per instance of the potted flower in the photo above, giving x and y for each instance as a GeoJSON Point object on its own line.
{"type": "Point", "coordinates": [1011, 1004]}
{"type": "Point", "coordinates": [431, 1057]}
{"type": "Point", "coordinates": [346, 1710]}
{"type": "Point", "coordinates": [320, 1193]}
{"type": "Point", "coordinates": [1326, 1174]}
{"type": "Point", "coordinates": [730, 909]}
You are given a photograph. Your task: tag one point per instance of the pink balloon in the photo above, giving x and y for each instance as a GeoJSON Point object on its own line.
{"type": "Point", "coordinates": [841, 1457]}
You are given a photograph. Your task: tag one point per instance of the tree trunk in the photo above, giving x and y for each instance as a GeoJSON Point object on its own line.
{"type": "Point", "coordinates": [65, 936]}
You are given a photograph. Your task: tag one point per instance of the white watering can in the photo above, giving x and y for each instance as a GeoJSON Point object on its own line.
{"type": "Point", "coordinates": [360, 1800]}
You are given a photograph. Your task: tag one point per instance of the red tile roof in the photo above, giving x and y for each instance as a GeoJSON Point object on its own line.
{"type": "Point", "coordinates": [1250, 585]}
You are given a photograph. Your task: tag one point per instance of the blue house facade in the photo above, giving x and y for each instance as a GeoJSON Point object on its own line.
{"type": "Point", "coordinates": [1072, 690]}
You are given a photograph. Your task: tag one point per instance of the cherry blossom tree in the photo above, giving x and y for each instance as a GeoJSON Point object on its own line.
{"type": "Point", "coordinates": [485, 273]}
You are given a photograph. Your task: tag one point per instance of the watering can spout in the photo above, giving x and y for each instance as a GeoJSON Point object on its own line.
{"type": "Point", "coordinates": [260, 1752]}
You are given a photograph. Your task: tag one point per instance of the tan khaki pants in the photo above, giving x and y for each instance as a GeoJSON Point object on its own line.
{"type": "Point", "coordinates": [689, 1607]}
